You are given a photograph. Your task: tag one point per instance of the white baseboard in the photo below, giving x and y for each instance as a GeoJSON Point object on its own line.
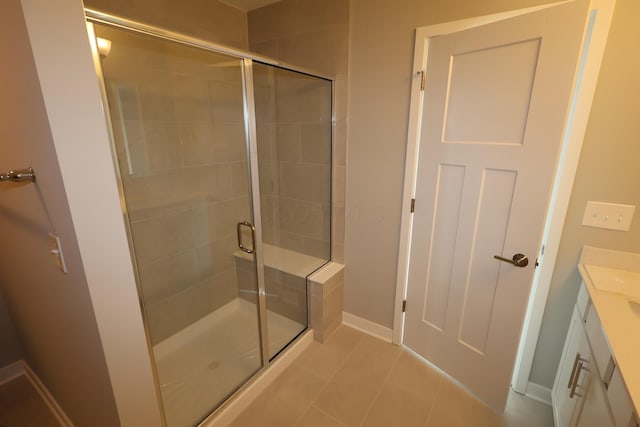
{"type": "Point", "coordinates": [230, 410]}
{"type": "Point", "coordinates": [12, 371]}
{"type": "Point", "coordinates": [537, 392]}
{"type": "Point", "coordinates": [16, 369]}
{"type": "Point", "coordinates": [51, 402]}
{"type": "Point", "coordinates": [367, 326]}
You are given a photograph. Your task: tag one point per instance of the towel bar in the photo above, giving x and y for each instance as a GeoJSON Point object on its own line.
{"type": "Point", "coordinates": [19, 175]}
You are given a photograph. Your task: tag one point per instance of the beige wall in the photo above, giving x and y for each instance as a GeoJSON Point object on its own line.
{"type": "Point", "coordinates": [608, 171]}
{"type": "Point", "coordinates": [52, 311]}
{"type": "Point", "coordinates": [10, 351]}
{"type": "Point", "coordinates": [210, 20]}
{"type": "Point", "coordinates": [381, 54]}
{"type": "Point", "coordinates": [314, 35]}
{"type": "Point", "coordinates": [74, 107]}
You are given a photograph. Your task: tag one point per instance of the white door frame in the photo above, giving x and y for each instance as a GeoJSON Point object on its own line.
{"type": "Point", "coordinates": [600, 15]}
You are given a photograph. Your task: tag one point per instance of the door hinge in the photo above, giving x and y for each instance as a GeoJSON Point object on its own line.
{"type": "Point", "coordinates": [404, 306]}
{"type": "Point", "coordinates": [423, 79]}
{"type": "Point", "coordinates": [413, 205]}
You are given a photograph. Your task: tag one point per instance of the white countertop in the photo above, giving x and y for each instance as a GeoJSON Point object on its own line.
{"type": "Point", "coordinates": [606, 274]}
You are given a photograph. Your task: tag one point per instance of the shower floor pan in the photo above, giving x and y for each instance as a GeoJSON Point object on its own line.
{"type": "Point", "coordinates": [201, 365]}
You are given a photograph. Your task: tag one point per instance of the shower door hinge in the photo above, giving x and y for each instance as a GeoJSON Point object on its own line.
{"type": "Point", "coordinates": [413, 205]}
{"type": "Point", "coordinates": [404, 306]}
{"type": "Point", "coordinates": [423, 79]}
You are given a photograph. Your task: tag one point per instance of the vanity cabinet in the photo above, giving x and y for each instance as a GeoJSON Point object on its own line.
{"type": "Point", "coordinates": [575, 346]}
{"type": "Point", "coordinates": [588, 390]}
{"type": "Point", "coordinates": [576, 395]}
{"type": "Point", "coordinates": [594, 411]}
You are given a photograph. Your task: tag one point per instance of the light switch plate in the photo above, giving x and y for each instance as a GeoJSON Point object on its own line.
{"type": "Point", "coordinates": [608, 215]}
{"type": "Point", "coordinates": [56, 252]}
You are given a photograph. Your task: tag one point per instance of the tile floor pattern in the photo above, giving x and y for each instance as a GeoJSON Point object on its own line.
{"type": "Point", "coordinates": [357, 380]}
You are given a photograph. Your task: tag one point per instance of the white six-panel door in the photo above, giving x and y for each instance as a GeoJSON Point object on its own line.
{"type": "Point", "coordinates": [495, 107]}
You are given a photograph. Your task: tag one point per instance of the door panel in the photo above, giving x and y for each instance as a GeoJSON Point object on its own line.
{"type": "Point", "coordinates": [494, 207]}
{"type": "Point", "coordinates": [478, 76]}
{"type": "Point", "coordinates": [449, 186]}
{"type": "Point", "coordinates": [495, 105]}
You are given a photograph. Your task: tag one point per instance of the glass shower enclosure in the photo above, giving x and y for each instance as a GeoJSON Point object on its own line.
{"type": "Point", "coordinates": [224, 166]}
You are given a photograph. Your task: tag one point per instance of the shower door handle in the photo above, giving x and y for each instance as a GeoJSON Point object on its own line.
{"type": "Point", "coordinates": [243, 248]}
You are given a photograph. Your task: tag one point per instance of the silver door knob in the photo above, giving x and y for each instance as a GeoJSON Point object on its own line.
{"type": "Point", "coordinates": [519, 260]}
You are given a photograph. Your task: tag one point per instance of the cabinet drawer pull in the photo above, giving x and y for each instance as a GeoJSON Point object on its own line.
{"type": "Point", "coordinates": [577, 377]}
{"type": "Point", "coordinates": [573, 370]}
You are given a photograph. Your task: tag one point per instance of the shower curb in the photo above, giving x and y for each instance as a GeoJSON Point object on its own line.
{"type": "Point", "coordinates": [231, 409]}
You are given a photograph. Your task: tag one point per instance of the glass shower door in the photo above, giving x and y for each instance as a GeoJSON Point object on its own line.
{"type": "Point", "coordinates": [293, 126]}
{"type": "Point", "coordinates": [177, 115]}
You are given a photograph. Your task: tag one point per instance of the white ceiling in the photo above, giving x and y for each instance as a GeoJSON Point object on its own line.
{"type": "Point", "coordinates": [247, 5]}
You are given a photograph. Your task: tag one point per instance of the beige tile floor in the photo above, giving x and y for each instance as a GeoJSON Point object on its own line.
{"type": "Point", "coordinates": [357, 380]}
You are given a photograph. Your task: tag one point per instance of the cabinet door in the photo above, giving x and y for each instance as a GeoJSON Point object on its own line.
{"type": "Point", "coordinates": [595, 409]}
{"type": "Point", "coordinates": [575, 347]}
{"type": "Point", "coordinates": [620, 401]}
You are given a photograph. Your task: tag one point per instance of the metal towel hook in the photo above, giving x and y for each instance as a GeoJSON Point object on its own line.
{"type": "Point", "coordinates": [19, 175]}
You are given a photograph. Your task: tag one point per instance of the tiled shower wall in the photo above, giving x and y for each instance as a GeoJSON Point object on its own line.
{"type": "Point", "coordinates": [293, 114]}
{"type": "Point", "coordinates": [314, 35]}
{"type": "Point", "coordinates": [293, 124]}
{"type": "Point", "coordinates": [179, 132]}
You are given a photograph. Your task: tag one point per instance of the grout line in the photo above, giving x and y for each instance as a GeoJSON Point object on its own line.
{"type": "Point", "coordinates": [311, 404]}
{"type": "Point", "coordinates": [309, 371]}
{"type": "Point", "coordinates": [328, 415]}
{"type": "Point", "coordinates": [340, 366]}
{"type": "Point", "coordinates": [386, 378]}
{"type": "Point", "coordinates": [436, 398]}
